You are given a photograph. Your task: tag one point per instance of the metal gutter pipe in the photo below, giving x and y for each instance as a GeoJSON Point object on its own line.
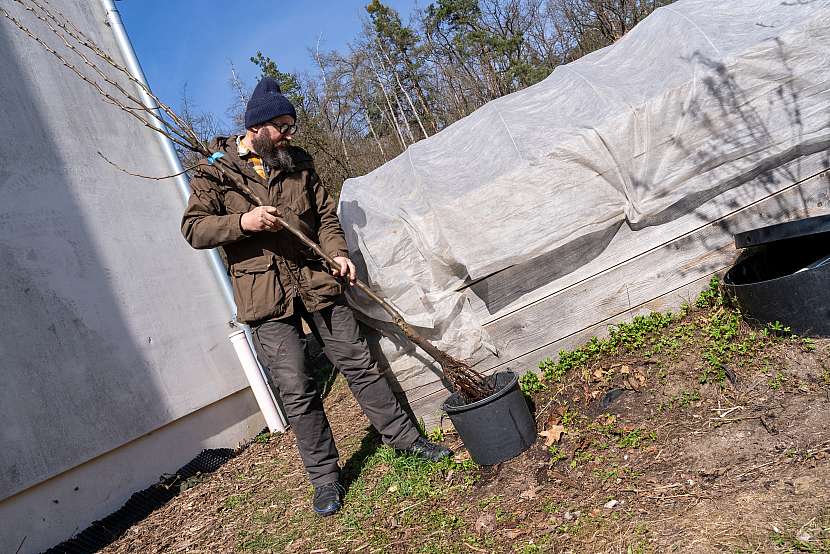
{"type": "Point", "coordinates": [259, 384]}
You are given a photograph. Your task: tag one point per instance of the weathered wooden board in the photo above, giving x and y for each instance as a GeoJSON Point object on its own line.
{"type": "Point", "coordinates": [502, 293]}
{"type": "Point", "coordinates": [429, 407]}
{"type": "Point", "coordinates": [636, 281]}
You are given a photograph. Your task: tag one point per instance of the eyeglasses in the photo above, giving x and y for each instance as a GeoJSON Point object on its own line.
{"type": "Point", "coordinates": [284, 128]}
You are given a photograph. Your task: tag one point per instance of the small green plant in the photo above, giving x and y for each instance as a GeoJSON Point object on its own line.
{"type": "Point", "coordinates": [436, 435]}
{"type": "Point", "coordinates": [581, 457]}
{"type": "Point", "coordinates": [555, 371]}
{"type": "Point", "coordinates": [569, 417]}
{"type": "Point", "coordinates": [263, 438]}
{"type": "Point", "coordinates": [721, 332]}
{"type": "Point", "coordinates": [236, 500]}
{"type": "Point", "coordinates": [711, 296]}
{"type": "Point", "coordinates": [548, 367]}
{"type": "Point", "coordinates": [687, 397]}
{"type": "Point", "coordinates": [633, 335]}
{"type": "Point", "coordinates": [635, 438]}
{"type": "Point", "coordinates": [441, 519]}
{"type": "Point", "coordinates": [550, 507]}
{"type": "Point", "coordinates": [486, 502]}
{"type": "Point", "coordinates": [530, 383]}
{"type": "Point", "coordinates": [778, 329]}
{"type": "Point", "coordinates": [628, 336]}
{"type": "Point", "coordinates": [776, 382]}
{"type": "Point", "coordinates": [556, 454]}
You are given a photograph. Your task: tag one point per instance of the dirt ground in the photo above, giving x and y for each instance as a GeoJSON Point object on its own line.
{"type": "Point", "coordinates": [692, 434]}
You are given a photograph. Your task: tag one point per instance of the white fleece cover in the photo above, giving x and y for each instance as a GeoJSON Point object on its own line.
{"type": "Point", "coordinates": [699, 98]}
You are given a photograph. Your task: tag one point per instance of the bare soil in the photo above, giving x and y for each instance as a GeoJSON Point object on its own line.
{"type": "Point", "coordinates": [662, 463]}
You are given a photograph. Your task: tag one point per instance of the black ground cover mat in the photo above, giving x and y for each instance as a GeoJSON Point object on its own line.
{"type": "Point", "coordinates": [103, 532]}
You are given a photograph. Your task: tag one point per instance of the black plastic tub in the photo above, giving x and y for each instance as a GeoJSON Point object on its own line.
{"type": "Point", "coordinates": [783, 275]}
{"type": "Point", "coordinates": [497, 428]}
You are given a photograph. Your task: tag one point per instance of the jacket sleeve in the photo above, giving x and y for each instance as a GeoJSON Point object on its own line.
{"type": "Point", "coordinates": [330, 233]}
{"type": "Point", "coordinates": [205, 223]}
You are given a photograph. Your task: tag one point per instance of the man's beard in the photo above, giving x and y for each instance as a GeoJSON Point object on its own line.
{"type": "Point", "coordinates": [276, 157]}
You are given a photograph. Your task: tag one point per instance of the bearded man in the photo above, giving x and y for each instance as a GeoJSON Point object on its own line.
{"type": "Point", "coordinates": [278, 282]}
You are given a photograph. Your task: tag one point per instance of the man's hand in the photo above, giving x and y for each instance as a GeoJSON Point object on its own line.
{"type": "Point", "coordinates": [261, 218]}
{"type": "Point", "coordinates": [346, 269]}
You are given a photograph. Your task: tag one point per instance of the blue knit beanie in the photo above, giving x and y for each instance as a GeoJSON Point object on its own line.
{"type": "Point", "coordinates": [266, 103]}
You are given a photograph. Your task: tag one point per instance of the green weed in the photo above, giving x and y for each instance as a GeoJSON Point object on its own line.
{"type": "Point", "coordinates": [635, 438]}
{"type": "Point", "coordinates": [778, 329]}
{"type": "Point", "coordinates": [487, 502]}
{"type": "Point", "coordinates": [712, 296]}
{"type": "Point", "coordinates": [685, 398]}
{"type": "Point", "coordinates": [777, 381]}
{"type": "Point", "coordinates": [530, 383]}
{"type": "Point", "coordinates": [556, 454]}
{"type": "Point", "coordinates": [236, 500]}
{"type": "Point", "coordinates": [436, 435]}
{"type": "Point", "coordinates": [624, 336]}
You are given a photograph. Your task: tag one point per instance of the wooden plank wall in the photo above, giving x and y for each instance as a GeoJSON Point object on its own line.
{"type": "Point", "coordinates": [656, 268]}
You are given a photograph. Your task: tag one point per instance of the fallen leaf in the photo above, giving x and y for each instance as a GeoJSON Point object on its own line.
{"type": "Point", "coordinates": [611, 504]}
{"type": "Point", "coordinates": [625, 370]}
{"type": "Point", "coordinates": [512, 533]}
{"type": "Point", "coordinates": [461, 456]}
{"type": "Point", "coordinates": [529, 494]}
{"type": "Point", "coordinates": [552, 435]}
{"type": "Point", "coordinates": [553, 419]}
{"type": "Point", "coordinates": [485, 522]}
{"type": "Point", "coordinates": [393, 488]}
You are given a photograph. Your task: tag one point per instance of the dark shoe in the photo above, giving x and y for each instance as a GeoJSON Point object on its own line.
{"type": "Point", "coordinates": [328, 498]}
{"type": "Point", "coordinates": [428, 450]}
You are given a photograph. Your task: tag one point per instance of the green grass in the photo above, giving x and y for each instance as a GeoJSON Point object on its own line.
{"type": "Point", "coordinates": [413, 493]}
{"type": "Point", "coordinates": [387, 485]}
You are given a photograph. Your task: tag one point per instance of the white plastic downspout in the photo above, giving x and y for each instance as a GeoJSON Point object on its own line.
{"type": "Point", "coordinates": [274, 417]}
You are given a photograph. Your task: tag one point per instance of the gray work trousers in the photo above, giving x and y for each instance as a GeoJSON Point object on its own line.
{"type": "Point", "coordinates": [280, 347]}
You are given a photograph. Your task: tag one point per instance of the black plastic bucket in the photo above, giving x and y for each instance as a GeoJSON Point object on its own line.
{"type": "Point", "coordinates": [496, 428]}
{"type": "Point", "coordinates": [784, 275]}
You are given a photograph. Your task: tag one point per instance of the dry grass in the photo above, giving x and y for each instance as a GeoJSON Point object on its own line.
{"type": "Point", "coordinates": [696, 454]}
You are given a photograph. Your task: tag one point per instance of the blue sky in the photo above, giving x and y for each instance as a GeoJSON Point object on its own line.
{"type": "Point", "coordinates": [192, 42]}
